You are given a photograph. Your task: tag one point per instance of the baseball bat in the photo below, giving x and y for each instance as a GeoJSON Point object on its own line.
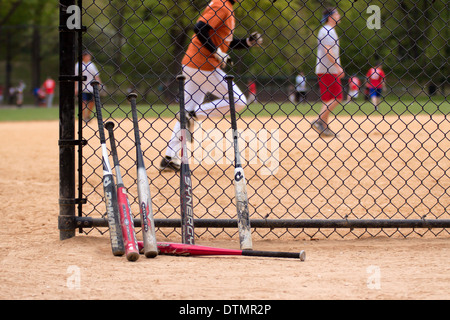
{"type": "Point", "coordinates": [181, 249]}
{"type": "Point", "coordinates": [126, 218]}
{"type": "Point", "coordinates": [240, 185]}
{"type": "Point", "coordinates": [144, 196]}
{"type": "Point", "coordinates": [109, 188]}
{"type": "Point", "coordinates": [186, 195]}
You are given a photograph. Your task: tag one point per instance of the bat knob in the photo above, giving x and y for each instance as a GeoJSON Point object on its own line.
{"type": "Point", "coordinates": [94, 83]}
{"type": "Point", "coordinates": [132, 96]}
{"type": "Point", "coordinates": [229, 77]}
{"type": "Point", "coordinates": [302, 255]}
{"type": "Point", "coordinates": [181, 77]}
{"type": "Point", "coordinates": [109, 125]}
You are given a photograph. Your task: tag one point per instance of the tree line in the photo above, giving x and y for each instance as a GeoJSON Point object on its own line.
{"type": "Point", "coordinates": [143, 41]}
{"type": "Point", "coordinates": [29, 37]}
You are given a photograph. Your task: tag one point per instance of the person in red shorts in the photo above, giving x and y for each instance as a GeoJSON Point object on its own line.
{"type": "Point", "coordinates": [251, 91]}
{"type": "Point", "coordinates": [49, 88]}
{"type": "Point", "coordinates": [376, 83]}
{"type": "Point", "coordinates": [328, 70]}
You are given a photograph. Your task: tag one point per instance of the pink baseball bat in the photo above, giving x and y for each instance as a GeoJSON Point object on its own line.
{"type": "Point", "coordinates": [180, 249]}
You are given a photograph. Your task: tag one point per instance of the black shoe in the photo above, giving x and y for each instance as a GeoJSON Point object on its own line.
{"type": "Point", "coordinates": [167, 164]}
{"type": "Point", "coordinates": [322, 128]}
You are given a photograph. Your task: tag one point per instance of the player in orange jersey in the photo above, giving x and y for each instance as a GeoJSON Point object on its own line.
{"type": "Point", "coordinates": [202, 66]}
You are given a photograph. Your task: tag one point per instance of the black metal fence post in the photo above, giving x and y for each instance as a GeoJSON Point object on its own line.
{"type": "Point", "coordinates": [67, 40]}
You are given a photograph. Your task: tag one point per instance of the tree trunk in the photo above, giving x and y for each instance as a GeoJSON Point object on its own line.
{"type": "Point", "coordinates": [36, 58]}
{"type": "Point", "coordinates": [8, 83]}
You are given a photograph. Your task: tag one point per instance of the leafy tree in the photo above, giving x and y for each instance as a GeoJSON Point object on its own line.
{"type": "Point", "coordinates": [27, 30]}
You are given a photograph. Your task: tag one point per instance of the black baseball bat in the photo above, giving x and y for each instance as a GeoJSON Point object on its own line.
{"type": "Point", "coordinates": [186, 195]}
{"type": "Point", "coordinates": [109, 188]}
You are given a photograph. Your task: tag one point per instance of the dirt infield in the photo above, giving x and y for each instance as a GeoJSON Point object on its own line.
{"type": "Point", "coordinates": [35, 264]}
{"type": "Point", "coordinates": [378, 167]}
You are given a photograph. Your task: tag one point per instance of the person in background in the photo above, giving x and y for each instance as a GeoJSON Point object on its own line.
{"type": "Point", "coordinates": [300, 88]}
{"type": "Point", "coordinates": [202, 65]}
{"type": "Point", "coordinates": [49, 88]}
{"type": "Point", "coordinates": [376, 83]}
{"type": "Point", "coordinates": [1, 94]}
{"type": "Point", "coordinates": [328, 70]}
{"type": "Point", "coordinates": [353, 88]}
{"type": "Point", "coordinates": [39, 94]}
{"type": "Point", "coordinates": [251, 91]}
{"type": "Point", "coordinates": [91, 72]}
{"type": "Point", "coordinates": [19, 93]}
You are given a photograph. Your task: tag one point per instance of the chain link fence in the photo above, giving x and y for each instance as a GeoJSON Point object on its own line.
{"type": "Point", "coordinates": [374, 160]}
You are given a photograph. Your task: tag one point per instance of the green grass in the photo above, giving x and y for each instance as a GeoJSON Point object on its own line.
{"type": "Point", "coordinates": [389, 106]}
{"type": "Point", "coordinates": [28, 114]}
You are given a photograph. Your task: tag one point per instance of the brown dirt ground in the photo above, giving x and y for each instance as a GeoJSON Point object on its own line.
{"type": "Point", "coordinates": [35, 264]}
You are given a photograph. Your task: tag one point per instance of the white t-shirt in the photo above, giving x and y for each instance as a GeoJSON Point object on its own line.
{"type": "Point", "coordinates": [327, 37]}
{"type": "Point", "coordinates": [300, 82]}
{"type": "Point", "coordinates": [90, 71]}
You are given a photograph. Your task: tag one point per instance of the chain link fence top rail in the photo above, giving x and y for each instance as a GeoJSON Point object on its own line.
{"type": "Point", "coordinates": [388, 159]}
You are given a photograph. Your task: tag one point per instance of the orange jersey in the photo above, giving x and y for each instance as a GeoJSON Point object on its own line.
{"type": "Point", "coordinates": [220, 16]}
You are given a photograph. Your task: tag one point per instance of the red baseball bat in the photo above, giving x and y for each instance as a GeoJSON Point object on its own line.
{"type": "Point", "coordinates": [181, 249]}
{"type": "Point", "coordinates": [126, 218]}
